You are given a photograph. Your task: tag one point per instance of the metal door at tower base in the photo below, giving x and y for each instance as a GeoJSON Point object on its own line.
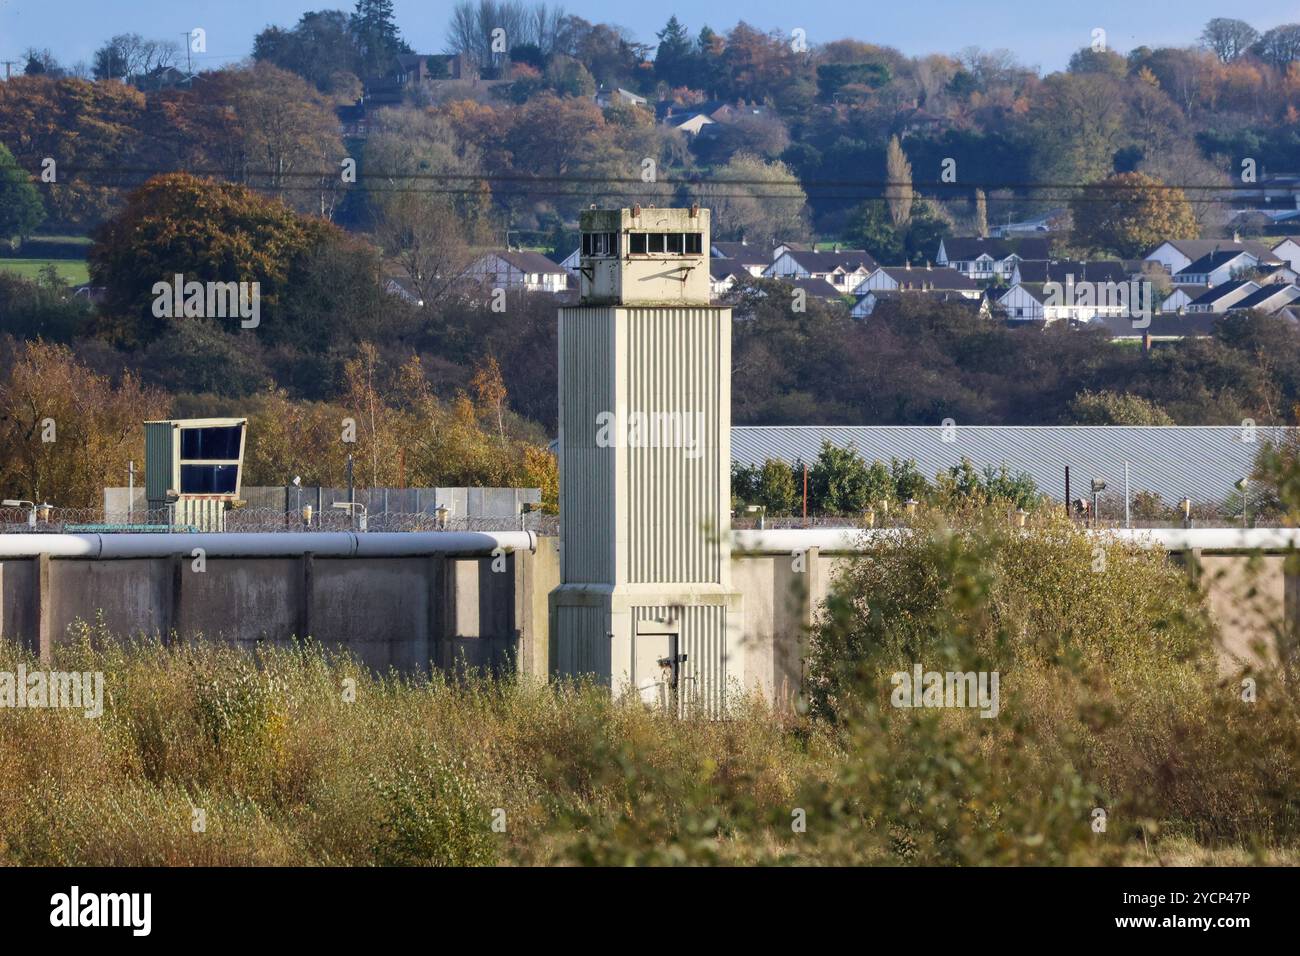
{"type": "Point", "coordinates": [658, 671]}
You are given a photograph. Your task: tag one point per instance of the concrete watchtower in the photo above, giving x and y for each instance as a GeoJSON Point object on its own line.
{"type": "Point", "coordinates": [645, 599]}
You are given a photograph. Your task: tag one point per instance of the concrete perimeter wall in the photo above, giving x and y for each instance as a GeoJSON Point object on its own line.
{"type": "Point", "coordinates": [409, 613]}
{"type": "Point", "coordinates": [413, 613]}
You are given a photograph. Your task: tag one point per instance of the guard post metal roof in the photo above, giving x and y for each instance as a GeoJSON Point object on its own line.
{"type": "Point", "coordinates": [1202, 462]}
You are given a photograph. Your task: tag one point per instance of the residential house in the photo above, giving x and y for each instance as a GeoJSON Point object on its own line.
{"type": "Point", "coordinates": [529, 271]}
{"type": "Point", "coordinates": [1178, 300]}
{"type": "Point", "coordinates": [618, 96]}
{"type": "Point", "coordinates": [927, 279]}
{"type": "Point", "coordinates": [1270, 299]}
{"type": "Point", "coordinates": [817, 288]}
{"type": "Point", "coordinates": [1164, 327]}
{"type": "Point", "coordinates": [401, 287]}
{"type": "Point", "coordinates": [724, 274]}
{"type": "Point", "coordinates": [1084, 291]}
{"type": "Point", "coordinates": [572, 263]}
{"type": "Point", "coordinates": [1216, 268]}
{"type": "Point", "coordinates": [352, 120]}
{"type": "Point", "coordinates": [844, 269]}
{"type": "Point", "coordinates": [1175, 255]}
{"type": "Point", "coordinates": [980, 258]}
{"type": "Point", "coordinates": [1070, 271]}
{"type": "Point", "coordinates": [696, 119]}
{"type": "Point", "coordinates": [868, 301]}
{"type": "Point", "coordinates": [1220, 298]}
{"type": "Point", "coordinates": [1288, 250]}
{"type": "Point", "coordinates": [751, 258]}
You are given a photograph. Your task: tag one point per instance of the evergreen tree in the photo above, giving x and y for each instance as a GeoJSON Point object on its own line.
{"type": "Point", "coordinates": [376, 35]}
{"type": "Point", "coordinates": [674, 60]}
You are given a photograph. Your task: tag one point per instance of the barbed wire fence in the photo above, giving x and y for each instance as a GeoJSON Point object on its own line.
{"type": "Point", "coordinates": [160, 520]}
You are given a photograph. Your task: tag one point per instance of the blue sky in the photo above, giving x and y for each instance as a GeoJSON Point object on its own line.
{"type": "Point", "coordinates": [1041, 34]}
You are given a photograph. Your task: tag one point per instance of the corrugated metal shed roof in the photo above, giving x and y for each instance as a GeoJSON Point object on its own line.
{"type": "Point", "coordinates": [1200, 462]}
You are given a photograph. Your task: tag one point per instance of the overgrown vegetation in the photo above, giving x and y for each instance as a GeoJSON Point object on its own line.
{"type": "Point", "coordinates": [1111, 701]}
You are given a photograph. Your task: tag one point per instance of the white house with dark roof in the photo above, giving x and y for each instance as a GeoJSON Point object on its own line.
{"type": "Point", "coordinates": [753, 259]}
{"type": "Point", "coordinates": [845, 269]}
{"type": "Point", "coordinates": [724, 274]}
{"type": "Point", "coordinates": [1180, 298]}
{"type": "Point", "coordinates": [1070, 270]}
{"type": "Point", "coordinates": [529, 271]}
{"type": "Point", "coordinates": [1288, 250]}
{"type": "Point", "coordinates": [980, 258]}
{"type": "Point", "coordinates": [920, 279]}
{"type": "Point", "coordinates": [1269, 299]}
{"type": "Point", "coordinates": [1221, 298]}
{"type": "Point", "coordinates": [1175, 255]}
{"type": "Point", "coordinates": [1086, 291]}
{"type": "Point", "coordinates": [1164, 327]}
{"type": "Point", "coordinates": [1216, 268]}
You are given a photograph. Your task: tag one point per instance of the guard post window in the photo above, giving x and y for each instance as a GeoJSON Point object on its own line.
{"type": "Point", "coordinates": [600, 244]}
{"type": "Point", "coordinates": [665, 243]}
{"type": "Point", "coordinates": [209, 459]}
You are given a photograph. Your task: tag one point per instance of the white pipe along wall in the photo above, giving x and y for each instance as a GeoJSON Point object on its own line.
{"type": "Point", "coordinates": [325, 544]}
{"type": "Point", "coordinates": [399, 543]}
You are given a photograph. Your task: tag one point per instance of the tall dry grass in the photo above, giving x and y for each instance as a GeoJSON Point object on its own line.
{"type": "Point", "coordinates": [1110, 701]}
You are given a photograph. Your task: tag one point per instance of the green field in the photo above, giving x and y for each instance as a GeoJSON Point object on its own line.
{"type": "Point", "coordinates": [73, 270]}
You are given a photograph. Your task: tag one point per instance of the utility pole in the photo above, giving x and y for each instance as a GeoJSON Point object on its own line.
{"type": "Point", "coordinates": [189, 64]}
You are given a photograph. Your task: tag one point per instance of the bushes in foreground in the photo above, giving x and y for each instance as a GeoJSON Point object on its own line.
{"type": "Point", "coordinates": [1116, 739]}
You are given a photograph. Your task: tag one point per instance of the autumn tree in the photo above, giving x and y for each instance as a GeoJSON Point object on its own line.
{"type": "Point", "coordinates": [428, 225]}
{"type": "Point", "coordinates": [83, 126]}
{"type": "Point", "coordinates": [1115, 408]}
{"type": "Point", "coordinates": [1128, 214]}
{"type": "Point", "coordinates": [755, 200]}
{"type": "Point", "coordinates": [203, 230]}
{"type": "Point", "coordinates": [490, 391]}
{"type": "Point", "coordinates": [68, 431]}
{"type": "Point", "coordinates": [898, 191]}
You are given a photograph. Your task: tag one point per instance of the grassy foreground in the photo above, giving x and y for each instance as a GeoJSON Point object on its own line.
{"type": "Point", "coordinates": [1117, 741]}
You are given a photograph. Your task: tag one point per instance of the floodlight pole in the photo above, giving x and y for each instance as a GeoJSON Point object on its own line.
{"type": "Point", "coordinates": [1127, 522]}
{"type": "Point", "coordinates": [352, 498]}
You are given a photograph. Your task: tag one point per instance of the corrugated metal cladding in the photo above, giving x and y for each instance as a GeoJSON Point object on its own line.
{"type": "Point", "coordinates": [588, 487]}
{"type": "Point", "coordinates": [1199, 462]}
{"type": "Point", "coordinates": [158, 460]}
{"type": "Point", "coordinates": [582, 641]}
{"type": "Point", "coordinates": [205, 514]}
{"type": "Point", "coordinates": [703, 639]}
{"type": "Point", "coordinates": [674, 367]}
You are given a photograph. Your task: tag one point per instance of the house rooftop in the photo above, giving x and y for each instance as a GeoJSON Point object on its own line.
{"type": "Point", "coordinates": [972, 247]}
{"type": "Point", "coordinates": [527, 261]}
{"type": "Point", "coordinates": [1103, 270]}
{"type": "Point", "coordinates": [847, 259]}
{"type": "Point", "coordinates": [1218, 292]}
{"type": "Point", "coordinates": [937, 277]}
